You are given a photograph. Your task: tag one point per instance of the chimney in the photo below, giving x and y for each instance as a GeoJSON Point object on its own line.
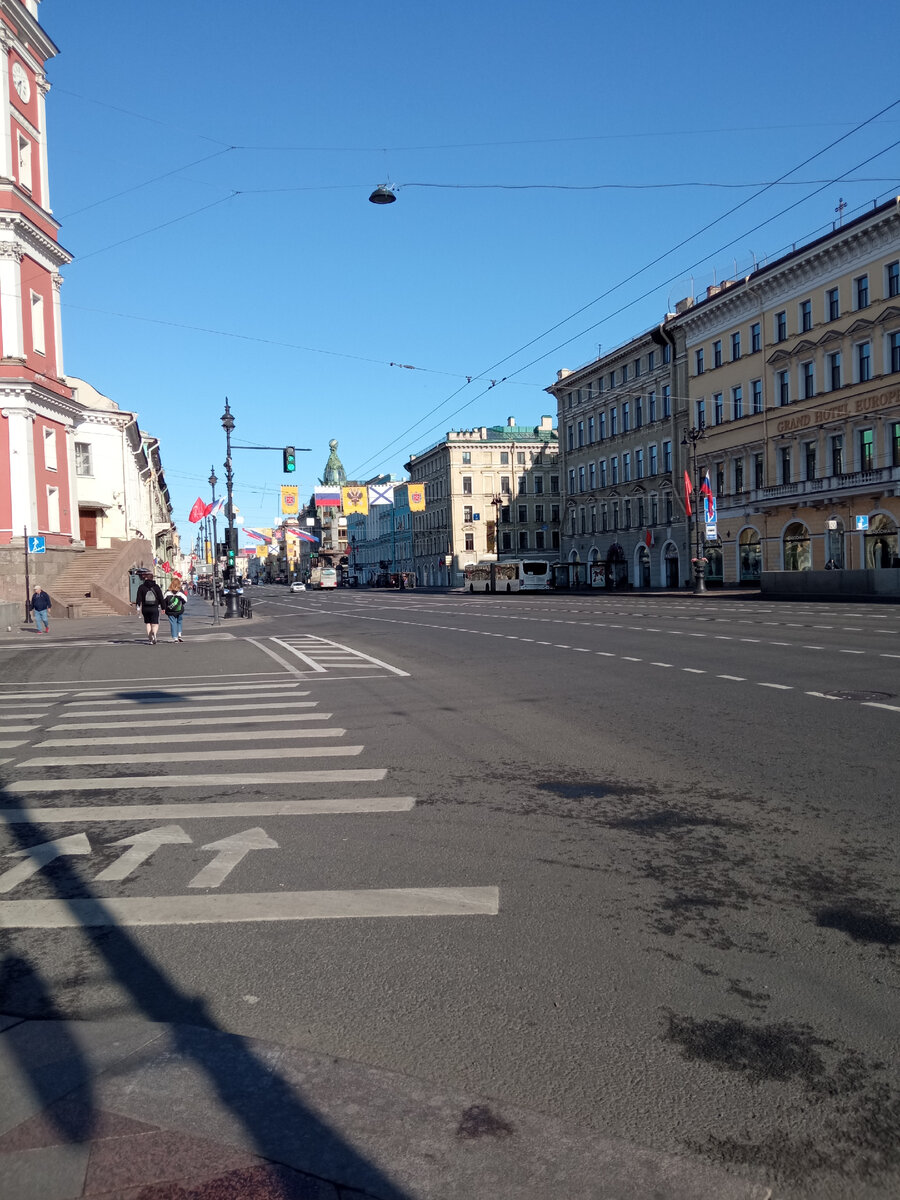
{"type": "Point", "coordinates": [510, 421]}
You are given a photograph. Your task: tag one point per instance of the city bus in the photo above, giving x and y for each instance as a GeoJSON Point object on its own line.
{"type": "Point", "coordinates": [510, 575]}
{"type": "Point", "coordinates": [323, 577]}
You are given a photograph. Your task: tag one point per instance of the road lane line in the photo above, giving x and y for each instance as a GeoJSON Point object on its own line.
{"type": "Point", "coordinates": [693, 670]}
{"type": "Point", "coordinates": [736, 678]}
{"type": "Point", "coordinates": [874, 704]}
{"type": "Point", "coordinates": [253, 906]}
{"type": "Point", "coordinates": [187, 811]}
{"type": "Point", "coordinates": [782, 687]}
{"type": "Point", "coordinates": [152, 782]}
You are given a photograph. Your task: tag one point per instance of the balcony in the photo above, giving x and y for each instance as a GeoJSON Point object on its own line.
{"type": "Point", "coordinates": [809, 489]}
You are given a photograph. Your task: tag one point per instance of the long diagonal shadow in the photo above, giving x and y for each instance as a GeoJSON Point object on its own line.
{"type": "Point", "coordinates": [265, 1104]}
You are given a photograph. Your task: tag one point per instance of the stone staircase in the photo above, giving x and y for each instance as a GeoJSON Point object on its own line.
{"type": "Point", "coordinates": [95, 584]}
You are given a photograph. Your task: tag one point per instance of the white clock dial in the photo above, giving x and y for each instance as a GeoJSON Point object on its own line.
{"type": "Point", "coordinates": [20, 82]}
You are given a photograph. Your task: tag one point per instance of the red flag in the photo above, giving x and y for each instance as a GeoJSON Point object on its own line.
{"type": "Point", "coordinates": [706, 493]}
{"type": "Point", "coordinates": [687, 493]}
{"type": "Point", "coordinates": [198, 511]}
{"type": "Point", "coordinates": [167, 567]}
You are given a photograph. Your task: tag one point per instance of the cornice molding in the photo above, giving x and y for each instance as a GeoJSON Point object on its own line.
{"type": "Point", "coordinates": [16, 230]}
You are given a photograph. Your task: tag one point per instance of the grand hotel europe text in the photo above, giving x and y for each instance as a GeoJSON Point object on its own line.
{"type": "Point", "coordinates": [793, 376]}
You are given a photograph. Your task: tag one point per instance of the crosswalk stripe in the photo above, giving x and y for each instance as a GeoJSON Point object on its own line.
{"type": "Point", "coordinates": [11, 745]}
{"type": "Point", "coordinates": [184, 756]}
{"type": "Point", "coordinates": [186, 811]}
{"type": "Point", "coordinates": [204, 707]}
{"type": "Point", "coordinates": [195, 688]}
{"type": "Point", "coordinates": [182, 719]}
{"type": "Point", "coordinates": [190, 698]}
{"type": "Point", "coordinates": [153, 782]}
{"type": "Point", "coordinates": [230, 735]}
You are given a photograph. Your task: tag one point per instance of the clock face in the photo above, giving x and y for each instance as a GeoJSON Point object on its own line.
{"type": "Point", "coordinates": [20, 82]}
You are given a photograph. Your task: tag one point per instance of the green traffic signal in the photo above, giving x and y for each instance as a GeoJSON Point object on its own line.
{"type": "Point", "coordinates": [290, 462]}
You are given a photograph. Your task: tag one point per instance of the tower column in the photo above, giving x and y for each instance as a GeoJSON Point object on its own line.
{"type": "Point", "coordinates": [11, 334]}
{"type": "Point", "coordinates": [6, 160]}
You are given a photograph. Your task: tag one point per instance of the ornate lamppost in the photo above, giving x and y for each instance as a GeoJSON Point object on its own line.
{"type": "Point", "coordinates": [497, 501]}
{"type": "Point", "coordinates": [691, 437]}
{"type": "Point", "coordinates": [231, 600]}
{"type": "Point", "coordinates": [212, 534]}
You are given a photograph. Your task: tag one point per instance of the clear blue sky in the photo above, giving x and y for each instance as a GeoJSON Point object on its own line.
{"type": "Point", "coordinates": [293, 296]}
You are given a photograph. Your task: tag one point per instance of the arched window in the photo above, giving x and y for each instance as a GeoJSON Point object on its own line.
{"type": "Point", "coordinates": [834, 542]}
{"type": "Point", "coordinates": [750, 555]}
{"type": "Point", "coordinates": [881, 542]}
{"type": "Point", "coordinates": [796, 547]}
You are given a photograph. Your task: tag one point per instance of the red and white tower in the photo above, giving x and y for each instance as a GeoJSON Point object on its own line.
{"type": "Point", "coordinates": [37, 479]}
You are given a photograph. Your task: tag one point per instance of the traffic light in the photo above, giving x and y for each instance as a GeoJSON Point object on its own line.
{"type": "Point", "coordinates": [231, 545]}
{"type": "Point", "coordinates": [290, 461]}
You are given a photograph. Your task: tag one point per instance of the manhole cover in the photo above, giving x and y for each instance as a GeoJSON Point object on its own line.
{"type": "Point", "coordinates": [860, 696]}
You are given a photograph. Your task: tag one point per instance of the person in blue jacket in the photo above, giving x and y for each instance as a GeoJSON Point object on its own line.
{"type": "Point", "coordinates": [40, 606]}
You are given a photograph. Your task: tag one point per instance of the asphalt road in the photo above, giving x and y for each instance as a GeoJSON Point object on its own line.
{"type": "Point", "coordinates": [636, 856]}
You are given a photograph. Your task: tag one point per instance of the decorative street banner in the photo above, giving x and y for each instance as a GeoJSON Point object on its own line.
{"type": "Point", "coordinates": [355, 499]}
{"type": "Point", "coordinates": [381, 493]}
{"type": "Point", "coordinates": [711, 516]}
{"type": "Point", "coordinates": [289, 498]}
{"type": "Point", "coordinates": [328, 497]}
{"type": "Point", "coordinates": [416, 493]}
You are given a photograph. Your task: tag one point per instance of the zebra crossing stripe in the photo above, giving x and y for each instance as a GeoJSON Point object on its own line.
{"type": "Point", "coordinates": [22, 787]}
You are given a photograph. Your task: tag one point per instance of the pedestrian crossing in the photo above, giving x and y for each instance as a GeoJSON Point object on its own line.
{"type": "Point", "coordinates": [322, 655]}
{"type": "Point", "coordinates": [92, 784]}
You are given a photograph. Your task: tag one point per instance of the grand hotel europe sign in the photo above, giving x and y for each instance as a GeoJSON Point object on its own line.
{"type": "Point", "coordinates": [839, 412]}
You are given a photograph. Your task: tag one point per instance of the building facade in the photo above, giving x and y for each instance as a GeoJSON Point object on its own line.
{"type": "Point", "coordinates": [794, 379]}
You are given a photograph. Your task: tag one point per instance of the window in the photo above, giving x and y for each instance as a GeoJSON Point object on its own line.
{"type": "Point", "coordinates": [615, 514]}
{"type": "Point", "coordinates": [467, 458]}
{"type": "Point", "coordinates": [737, 403]}
{"type": "Point", "coordinates": [53, 509]}
{"type": "Point", "coordinates": [83, 459]}
{"type": "Point", "coordinates": [50, 449]}
{"type": "Point", "coordinates": [522, 515]}
{"type": "Point", "coordinates": [810, 460]}
{"type": "Point", "coordinates": [667, 456]}
{"type": "Point", "coordinates": [539, 485]}
{"type": "Point", "coordinates": [755, 337]}
{"type": "Point", "coordinates": [625, 372]}
{"type": "Point", "coordinates": [467, 513]}
{"type": "Point", "coordinates": [717, 354]}
{"type": "Point", "coordinates": [504, 485]}
{"type": "Point", "coordinates": [37, 323]}
{"type": "Point", "coordinates": [602, 426]}
{"type": "Point", "coordinates": [837, 454]}
{"type": "Point", "coordinates": [735, 346]}
{"type": "Point", "coordinates": [590, 431]}
{"type": "Point", "coordinates": [738, 474]}
{"type": "Point", "coordinates": [604, 517]}
{"type": "Point", "coordinates": [506, 540]}
{"type": "Point", "coordinates": [805, 316]}
{"type": "Point", "coordinates": [626, 417]}
{"type": "Point", "coordinates": [894, 347]}
{"type": "Point", "coordinates": [701, 414]}
{"type": "Point", "coordinates": [667, 353]}
{"type": "Point", "coordinates": [582, 520]}
{"type": "Point", "coordinates": [651, 407]}
{"type": "Point", "coordinates": [654, 510]}
{"type": "Point", "coordinates": [626, 515]}
{"type": "Point", "coordinates": [639, 464]}
{"type": "Point", "coordinates": [892, 279]}
{"type": "Point", "coordinates": [866, 449]}
{"type": "Point", "coordinates": [554, 513]}
{"type": "Point", "coordinates": [636, 367]}
{"type": "Point", "coordinates": [668, 508]}
{"type": "Point", "coordinates": [861, 288]}
{"type": "Point", "coordinates": [504, 458]}
{"type": "Point", "coordinates": [570, 437]}
{"type": "Point", "coordinates": [666, 401]}
{"type": "Point", "coordinates": [698, 361]}
{"type": "Point", "coordinates": [467, 485]}
{"type": "Point", "coordinates": [470, 541]}
{"type": "Point", "coordinates": [614, 469]}
{"type": "Point", "coordinates": [863, 362]}
{"type": "Point", "coordinates": [654, 461]}
{"type": "Point", "coordinates": [784, 387]}
{"type": "Point", "coordinates": [520, 457]}
{"type": "Point", "coordinates": [592, 476]}
{"type": "Point", "coordinates": [641, 512]}
{"type": "Point", "coordinates": [895, 443]}
{"type": "Point", "coordinates": [613, 422]}
{"type": "Point", "coordinates": [523, 539]}
{"type": "Point", "coordinates": [568, 399]}
{"type": "Point", "coordinates": [571, 481]}
{"type": "Point", "coordinates": [780, 326]}
{"type": "Point", "coordinates": [626, 467]}
{"type": "Point", "coordinates": [833, 303]}
{"type": "Point", "coordinates": [554, 483]}
{"type": "Point", "coordinates": [539, 540]}
{"type": "Point", "coordinates": [834, 370]}
{"type": "Point", "coordinates": [718, 408]}
{"type": "Point", "coordinates": [651, 360]}
{"type": "Point", "coordinates": [759, 470]}
{"type": "Point", "coordinates": [720, 479]}
{"type": "Point", "coordinates": [638, 412]}
{"type": "Point", "coordinates": [538, 513]}
{"type": "Point", "coordinates": [580, 434]}
{"type": "Point", "coordinates": [603, 472]}
{"type": "Point", "coordinates": [807, 379]}
{"type": "Point", "coordinates": [756, 395]}
{"type": "Point", "coordinates": [612, 379]}
{"type": "Point", "coordinates": [522, 485]}
{"type": "Point", "coordinates": [581, 479]}
{"type": "Point", "coordinates": [785, 456]}
{"type": "Point", "coordinates": [24, 162]}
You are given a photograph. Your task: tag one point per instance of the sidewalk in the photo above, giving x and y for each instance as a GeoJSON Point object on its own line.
{"type": "Point", "coordinates": [132, 1110]}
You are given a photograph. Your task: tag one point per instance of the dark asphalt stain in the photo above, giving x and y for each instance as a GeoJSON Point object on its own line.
{"type": "Point", "coordinates": [478, 1121]}
{"type": "Point", "coordinates": [860, 696]}
{"type": "Point", "coordinates": [577, 791]}
{"type": "Point", "coordinates": [861, 923]}
{"type": "Point", "coordinates": [680, 902]}
{"type": "Point", "coordinates": [761, 1052]}
{"type": "Point", "coordinates": [668, 819]}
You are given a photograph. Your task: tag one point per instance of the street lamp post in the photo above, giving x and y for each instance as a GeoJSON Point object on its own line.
{"type": "Point", "coordinates": [215, 551]}
{"type": "Point", "coordinates": [231, 600]}
{"type": "Point", "coordinates": [691, 437]}
{"type": "Point", "coordinates": [497, 501]}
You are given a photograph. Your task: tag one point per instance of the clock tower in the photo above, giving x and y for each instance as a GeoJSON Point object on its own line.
{"type": "Point", "coordinates": [37, 478]}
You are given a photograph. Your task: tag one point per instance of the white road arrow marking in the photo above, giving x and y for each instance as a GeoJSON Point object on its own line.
{"type": "Point", "coordinates": [142, 845]}
{"type": "Point", "coordinates": [38, 856]}
{"type": "Point", "coordinates": [230, 852]}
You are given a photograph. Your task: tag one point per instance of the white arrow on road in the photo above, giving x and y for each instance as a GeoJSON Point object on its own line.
{"type": "Point", "coordinates": [141, 846]}
{"type": "Point", "coordinates": [38, 856]}
{"type": "Point", "coordinates": [230, 852]}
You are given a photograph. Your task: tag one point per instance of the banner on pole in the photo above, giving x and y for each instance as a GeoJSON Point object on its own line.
{"type": "Point", "coordinates": [289, 498]}
{"type": "Point", "coordinates": [354, 499]}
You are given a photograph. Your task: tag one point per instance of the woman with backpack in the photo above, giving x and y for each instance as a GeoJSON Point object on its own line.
{"type": "Point", "coordinates": [147, 602]}
{"type": "Point", "coordinates": [174, 609]}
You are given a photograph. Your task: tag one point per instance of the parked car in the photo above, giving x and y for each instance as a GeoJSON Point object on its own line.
{"type": "Point", "coordinates": [298, 587]}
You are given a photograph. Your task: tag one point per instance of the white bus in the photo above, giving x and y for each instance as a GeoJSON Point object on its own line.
{"type": "Point", "coordinates": [509, 575]}
{"type": "Point", "coordinates": [323, 577]}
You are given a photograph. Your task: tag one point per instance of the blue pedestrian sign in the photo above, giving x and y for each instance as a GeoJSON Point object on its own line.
{"type": "Point", "coordinates": [37, 545]}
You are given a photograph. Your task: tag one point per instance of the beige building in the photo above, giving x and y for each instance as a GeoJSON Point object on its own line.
{"type": "Point", "coordinates": [793, 374]}
{"type": "Point", "coordinates": [490, 490]}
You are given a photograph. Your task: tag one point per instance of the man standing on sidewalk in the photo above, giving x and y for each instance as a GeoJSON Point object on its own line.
{"type": "Point", "coordinates": [40, 606]}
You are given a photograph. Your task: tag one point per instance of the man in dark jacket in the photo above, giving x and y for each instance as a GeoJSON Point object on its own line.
{"type": "Point", "coordinates": [40, 606]}
{"type": "Point", "coordinates": [149, 598]}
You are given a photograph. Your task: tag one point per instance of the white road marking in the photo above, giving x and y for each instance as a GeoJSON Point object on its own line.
{"type": "Point", "coordinates": [628, 658]}
{"type": "Point", "coordinates": [229, 852]}
{"type": "Point", "coordinates": [206, 809]}
{"type": "Point", "coordinates": [229, 699]}
{"type": "Point", "coordinates": [38, 856]}
{"type": "Point", "coordinates": [693, 670]}
{"type": "Point", "coordinates": [195, 688]}
{"type": "Point", "coordinates": [255, 906]}
{"type": "Point", "coordinates": [11, 745]}
{"type": "Point", "coordinates": [140, 847]}
{"type": "Point", "coordinates": [186, 756]}
{"type": "Point", "coordinates": [822, 696]}
{"type": "Point", "coordinates": [875, 704]}
{"type": "Point", "coordinates": [231, 735]}
{"type": "Point", "coordinates": [19, 728]}
{"type": "Point", "coordinates": [851, 651]}
{"type": "Point", "coordinates": [217, 780]}
{"type": "Point", "coordinates": [736, 678]}
{"type": "Point", "coordinates": [185, 720]}
{"type": "Point", "coordinates": [658, 664]}
{"type": "Point", "coordinates": [782, 687]}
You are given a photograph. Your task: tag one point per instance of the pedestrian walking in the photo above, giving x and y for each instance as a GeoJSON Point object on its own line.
{"type": "Point", "coordinates": [174, 608]}
{"type": "Point", "coordinates": [40, 606]}
{"type": "Point", "coordinates": [148, 601]}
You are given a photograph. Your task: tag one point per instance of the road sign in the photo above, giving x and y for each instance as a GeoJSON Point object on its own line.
{"type": "Point", "coordinates": [862, 524]}
{"type": "Point", "coordinates": [37, 545]}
